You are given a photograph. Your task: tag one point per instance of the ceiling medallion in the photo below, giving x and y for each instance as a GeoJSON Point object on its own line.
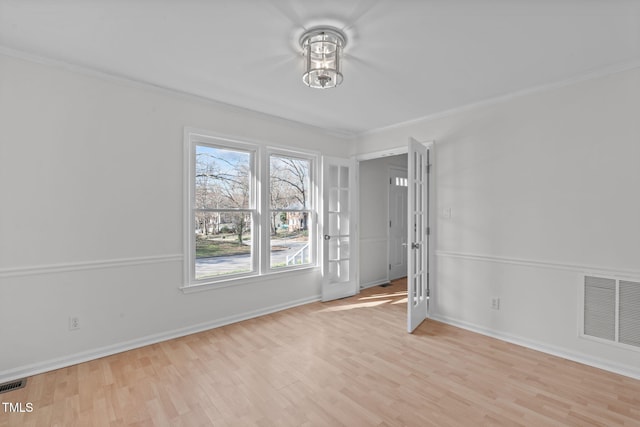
{"type": "Point", "coordinates": [322, 48]}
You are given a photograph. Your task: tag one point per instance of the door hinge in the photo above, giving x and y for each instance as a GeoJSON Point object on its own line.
{"type": "Point", "coordinates": [429, 168]}
{"type": "Point", "coordinates": [428, 231]}
{"type": "Point", "coordinates": [389, 266]}
{"type": "Point", "coordinates": [389, 224]}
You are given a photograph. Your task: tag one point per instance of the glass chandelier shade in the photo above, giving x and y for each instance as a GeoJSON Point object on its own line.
{"type": "Point", "coordinates": [322, 48]}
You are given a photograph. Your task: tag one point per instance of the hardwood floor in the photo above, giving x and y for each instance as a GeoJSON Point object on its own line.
{"type": "Point", "coordinates": [344, 363]}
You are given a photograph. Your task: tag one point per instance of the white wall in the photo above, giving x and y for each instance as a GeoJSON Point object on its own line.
{"type": "Point", "coordinates": [373, 217]}
{"type": "Point", "coordinates": [542, 187]}
{"type": "Point", "coordinates": [91, 216]}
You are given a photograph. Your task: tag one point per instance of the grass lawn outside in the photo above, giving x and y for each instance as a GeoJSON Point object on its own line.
{"type": "Point", "coordinates": [227, 245]}
{"type": "Point", "coordinates": [210, 247]}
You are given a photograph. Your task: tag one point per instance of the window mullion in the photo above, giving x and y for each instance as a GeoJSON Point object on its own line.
{"type": "Point", "coordinates": [263, 174]}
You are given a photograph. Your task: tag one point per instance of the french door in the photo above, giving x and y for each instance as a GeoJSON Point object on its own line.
{"type": "Point", "coordinates": [338, 261]}
{"type": "Point", "coordinates": [418, 235]}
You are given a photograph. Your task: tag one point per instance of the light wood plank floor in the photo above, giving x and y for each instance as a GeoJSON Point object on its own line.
{"type": "Point", "coordinates": [344, 363]}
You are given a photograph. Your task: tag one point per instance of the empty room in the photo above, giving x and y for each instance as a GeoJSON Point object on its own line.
{"type": "Point", "coordinates": [336, 213]}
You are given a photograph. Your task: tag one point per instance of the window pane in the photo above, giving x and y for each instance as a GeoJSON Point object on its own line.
{"type": "Point", "coordinates": [289, 239]}
{"type": "Point", "coordinates": [339, 249]}
{"type": "Point", "coordinates": [344, 176]}
{"type": "Point", "coordinates": [223, 178]}
{"type": "Point", "coordinates": [333, 176]}
{"type": "Point", "coordinates": [289, 183]}
{"type": "Point", "coordinates": [334, 205]}
{"type": "Point", "coordinates": [223, 243]}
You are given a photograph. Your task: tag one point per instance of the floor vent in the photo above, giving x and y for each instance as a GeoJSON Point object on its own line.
{"type": "Point", "coordinates": [12, 385]}
{"type": "Point", "coordinates": [611, 310]}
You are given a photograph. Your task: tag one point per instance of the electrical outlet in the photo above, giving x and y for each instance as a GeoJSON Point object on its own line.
{"type": "Point", "coordinates": [495, 303]}
{"type": "Point", "coordinates": [74, 323]}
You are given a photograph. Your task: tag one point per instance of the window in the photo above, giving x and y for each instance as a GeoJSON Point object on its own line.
{"type": "Point", "coordinates": [249, 211]}
{"type": "Point", "coordinates": [401, 182]}
{"type": "Point", "coordinates": [289, 214]}
{"type": "Point", "coordinates": [224, 211]}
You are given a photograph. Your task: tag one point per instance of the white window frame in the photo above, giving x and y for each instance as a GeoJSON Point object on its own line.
{"type": "Point", "coordinates": [260, 240]}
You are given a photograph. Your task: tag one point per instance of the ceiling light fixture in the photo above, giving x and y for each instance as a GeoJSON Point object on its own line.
{"type": "Point", "coordinates": [322, 47]}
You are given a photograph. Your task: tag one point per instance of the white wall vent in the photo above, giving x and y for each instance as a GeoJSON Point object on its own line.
{"type": "Point", "coordinates": [630, 313]}
{"type": "Point", "coordinates": [611, 310]}
{"type": "Point", "coordinates": [600, 307]}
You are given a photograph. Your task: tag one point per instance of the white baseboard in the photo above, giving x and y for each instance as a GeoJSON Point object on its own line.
{"type": "Point", "coordinates": [74, 359]}
{"type": "Point", "coordinates": [628, 371]}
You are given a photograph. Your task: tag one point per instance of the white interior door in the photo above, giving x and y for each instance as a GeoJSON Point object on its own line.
{"type": "Point", "coordinates": [339, 263]}
{"type": "Point", "coordinates": [418, 239]}
{"type": "Point", "coordinates": [397, 223]}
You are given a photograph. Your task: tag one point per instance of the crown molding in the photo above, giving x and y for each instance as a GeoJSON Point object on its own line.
{"type": "Point", "coordinates": [332, 132]}
{"type": "Point", "coordinates": [591, 75]}
{"type": "Point", "coordinates": [141, 84]}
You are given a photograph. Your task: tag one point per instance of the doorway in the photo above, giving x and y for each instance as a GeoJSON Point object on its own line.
{"type": "Point", "coordinates": [397, 241]}
{"type": "Point", "coordinates": [390, 248]}
{"type": "Point", "coordinates": [382, 220]}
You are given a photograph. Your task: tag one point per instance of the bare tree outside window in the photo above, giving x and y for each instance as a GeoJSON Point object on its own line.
{"type": "Point", "coordinates": [290, 210]}
{"type": "Point", "coordinates": [223, 211]}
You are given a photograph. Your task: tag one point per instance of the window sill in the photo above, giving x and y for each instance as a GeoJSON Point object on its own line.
{"type": "Point", "coordinates": [246, 280]}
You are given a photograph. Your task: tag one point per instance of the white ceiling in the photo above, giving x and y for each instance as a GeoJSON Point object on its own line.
{"type": "Point", "coordinates": [405, 59]}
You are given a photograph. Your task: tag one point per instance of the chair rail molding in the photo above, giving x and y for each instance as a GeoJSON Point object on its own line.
{"type": "Point", "coordinates": [33, 270]}
{"type": "Point", "coordinates": [539, 263]}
